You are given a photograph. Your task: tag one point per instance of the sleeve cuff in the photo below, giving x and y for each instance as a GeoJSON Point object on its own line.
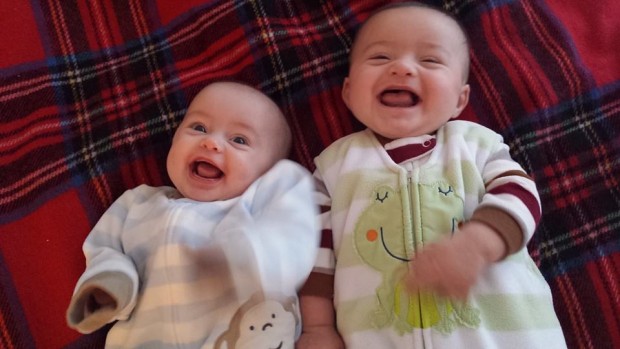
{"type": "Point", "coordinates": [318, 284]}
{"type": "Point", "coordinates": [503, 223]}
{"type": "Point", "coordinates": [118, 285]}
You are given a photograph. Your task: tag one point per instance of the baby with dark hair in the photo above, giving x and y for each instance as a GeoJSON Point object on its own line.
{"type": "Point", "coordinates": [425, 218]}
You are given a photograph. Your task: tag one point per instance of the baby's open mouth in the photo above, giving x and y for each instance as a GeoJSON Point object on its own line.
{"type": "Point", "coordinates": [206, 170]}
{"type": "Point", "coordinates": [398, 98]}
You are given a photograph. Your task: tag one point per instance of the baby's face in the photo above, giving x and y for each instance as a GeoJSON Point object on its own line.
{"type": "Point", "coordinates": [227, 139]}
{"type": "Point", "coordinates": [407, 72]}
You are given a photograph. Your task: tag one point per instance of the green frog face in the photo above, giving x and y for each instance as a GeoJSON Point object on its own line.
{"type": "Point", "coordinates": [379, 232]}
{"type": "Point", "coordinates": [383, 243]}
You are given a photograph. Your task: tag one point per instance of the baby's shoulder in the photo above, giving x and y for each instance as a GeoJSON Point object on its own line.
{"type": "Point", "coordinates": [286, 169]}
{"type": "Point", "coordinates": [341, 146]}
{"type": "Point", "coordinates": [145, 192]}
{"type": "Point", "coordinates": [468, 131]}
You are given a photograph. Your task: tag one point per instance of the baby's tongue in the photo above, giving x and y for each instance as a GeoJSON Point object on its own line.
{"type": "Point", "coordinates": [205, 169]}
{"type": "Point", "coordinates": [396, 98]}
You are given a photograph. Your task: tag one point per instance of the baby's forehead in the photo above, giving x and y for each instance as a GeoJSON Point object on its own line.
{"type": "Point", "coordinates": [386, 17]}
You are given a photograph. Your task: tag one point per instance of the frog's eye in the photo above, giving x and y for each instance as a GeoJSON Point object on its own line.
{"type": "Point", "coordinates": [447, 191]}
{"type": "Point", "coordinates": [381, 198]}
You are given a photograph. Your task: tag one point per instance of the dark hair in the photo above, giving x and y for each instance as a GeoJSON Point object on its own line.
{"type": "Point", "coordinates": [441, 10]}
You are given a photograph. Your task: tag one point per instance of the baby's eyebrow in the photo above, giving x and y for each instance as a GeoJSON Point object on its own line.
{"type": "Point", "coordinates": [244, 128]}
{"type": "Point", "coordinates": [426, 45]}
{"type": "Point", "coordinates": [193, 114]}
{"type": "Point", "coordinates": [374, 45]}
{"type": "Point", "coordinates": [433, 46]}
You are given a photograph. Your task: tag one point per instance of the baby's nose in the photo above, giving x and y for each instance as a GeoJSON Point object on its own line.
{"type": "Point", "coordinates": [401, 67]}
{"type": "Point", "coordinates": [211, 143]}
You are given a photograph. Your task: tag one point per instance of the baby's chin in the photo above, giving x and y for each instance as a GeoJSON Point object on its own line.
{"type": "Point", "coordinates": [387, 137]}
{"type": "Point", "coordinates": [201, 195]}
{"type": "Point", "coordinates": [210, 197]}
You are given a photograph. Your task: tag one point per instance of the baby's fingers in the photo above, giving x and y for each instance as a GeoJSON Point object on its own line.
{"type": "Point", "coordinates": [424, 273]}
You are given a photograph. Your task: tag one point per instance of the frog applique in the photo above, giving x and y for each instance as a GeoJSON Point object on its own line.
{"type": "Point", "coordinates": [381, 242]}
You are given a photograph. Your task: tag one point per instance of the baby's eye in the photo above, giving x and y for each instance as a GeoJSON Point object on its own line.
{"type": "Point", "coordinates": [431, 60]}
{"type": "Point", "coordinates": [379, 57]}
{"type": "Point", "coordinates": [199, 128]}
{"type": "Point", "coordinates": [240, 140]}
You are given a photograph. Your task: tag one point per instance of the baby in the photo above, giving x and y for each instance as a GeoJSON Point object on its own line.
{"type": "Point", "coordinates": [216, 261]}
{"type": "Point", "coordinates": [425, 218]}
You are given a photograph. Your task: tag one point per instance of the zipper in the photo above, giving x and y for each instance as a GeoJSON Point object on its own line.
{"type": "Point", "coordinates": [413, 192]}
{"type": "Point", "coordinates": [416, 238]}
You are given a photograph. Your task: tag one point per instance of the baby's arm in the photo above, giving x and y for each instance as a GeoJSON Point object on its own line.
{"type": "Point", "coordinates": [319, 324]}
{"type": "Point", "coordinates": [107, 289]}
{"type": "Point", "coordinates": [502, 224]}
{"type": "Point", "coordinates": [316, 297]}
{"type": "Point", "coordinates": [451, 266]}
{"type": "Point", "coordinates": [273, 237]}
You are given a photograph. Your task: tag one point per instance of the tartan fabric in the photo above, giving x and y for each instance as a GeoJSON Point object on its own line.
{"type": "Point", "coordinates": [91, 91]}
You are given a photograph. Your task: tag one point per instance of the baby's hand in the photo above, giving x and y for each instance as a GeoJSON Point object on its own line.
{"type": "Point", "coordinates": [319, 337]}
{"type": "Point", "coordinates": [99, 299]}
{"type": "Point", "coordinates": [451, 266]}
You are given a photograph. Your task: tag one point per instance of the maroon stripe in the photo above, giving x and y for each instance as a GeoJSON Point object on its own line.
{"type": "Point", "coordinates": [410, 151]}
{"type": "Point", "coordinates": [522, 194]}
{"type": "Point", "coordinates": [327, 240]}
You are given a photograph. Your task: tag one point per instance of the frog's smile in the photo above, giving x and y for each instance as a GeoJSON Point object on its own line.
{"type": "Point", "coordinates": [388, 250]}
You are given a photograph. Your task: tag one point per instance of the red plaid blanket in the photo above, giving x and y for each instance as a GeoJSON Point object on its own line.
{"type": "Point", "coordinates": [91, 91]}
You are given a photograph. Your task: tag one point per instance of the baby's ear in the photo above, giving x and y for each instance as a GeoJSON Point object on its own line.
{"type": "Point", "coordinates": [463, 100]}
{"type": "Point", "coordinates": [346, 91]}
